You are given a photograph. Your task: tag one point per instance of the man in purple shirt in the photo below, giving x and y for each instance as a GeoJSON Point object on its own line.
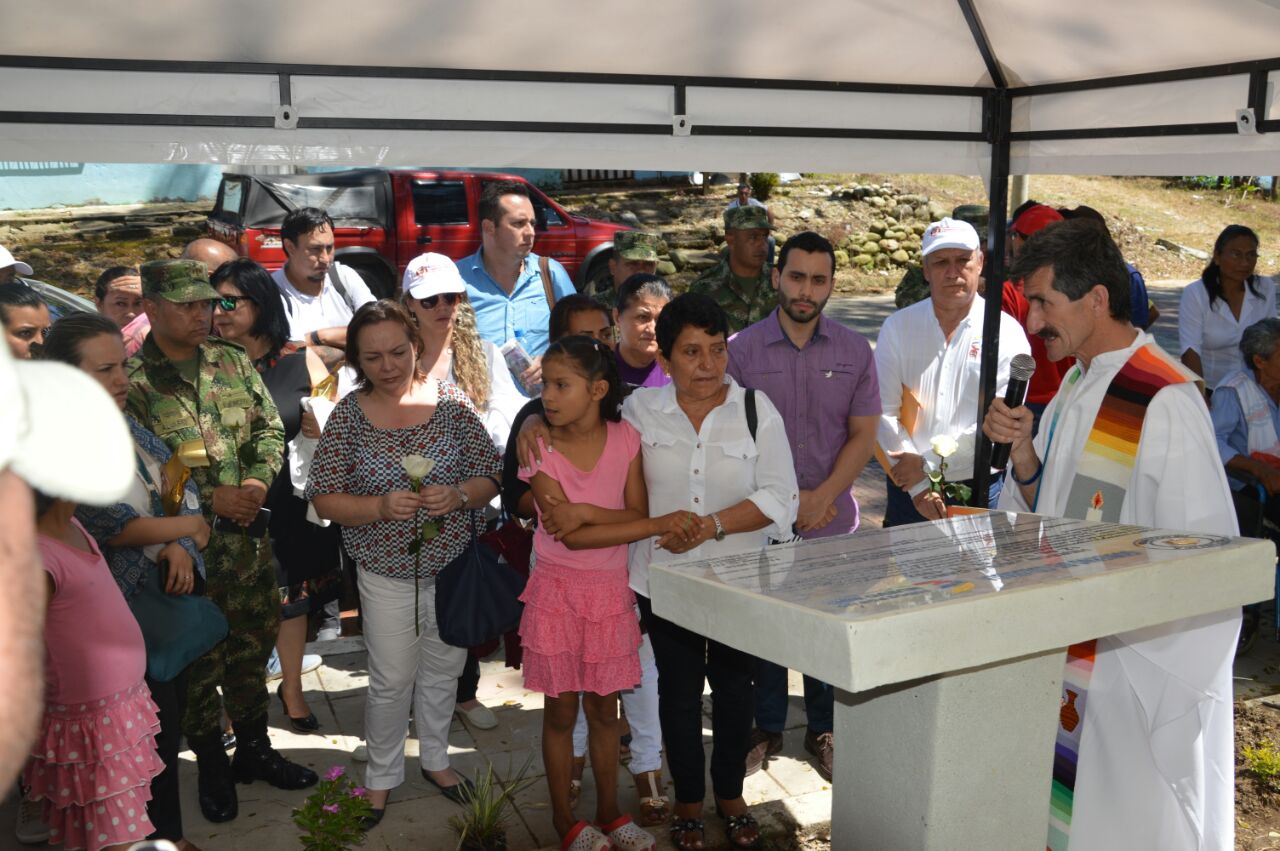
{"type": "Point", "coordinates": [822, 378]}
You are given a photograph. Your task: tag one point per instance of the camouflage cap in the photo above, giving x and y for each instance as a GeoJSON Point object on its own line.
{"type": "Point", "coordinates": [176, 280]}
{"type": "Point", "coordinates": [634, 245]}
{"type": "Point", "coordinates": [746, 218]}
{"type": "Point", "coordinates": [974, 214]}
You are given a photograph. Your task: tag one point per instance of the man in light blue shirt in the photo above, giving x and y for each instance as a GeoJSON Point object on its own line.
{"type": "Point", "coordinates": [504, 281]}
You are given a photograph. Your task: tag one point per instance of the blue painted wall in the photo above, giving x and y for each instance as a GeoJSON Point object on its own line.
{"type": "Point", "coordinates": [28, 186]}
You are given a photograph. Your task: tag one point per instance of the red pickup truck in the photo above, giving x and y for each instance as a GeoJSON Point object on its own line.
{"type": "Point", "coordinates": [383, 219]}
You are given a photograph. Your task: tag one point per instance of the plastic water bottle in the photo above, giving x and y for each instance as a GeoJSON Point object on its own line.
{"type": "Point", "coordinates": [518, 361]}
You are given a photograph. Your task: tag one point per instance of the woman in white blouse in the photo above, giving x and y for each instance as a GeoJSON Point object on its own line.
{"type": "Point", "coordinates": [1228, 298]}
{"type": "Point", "coordinates": [699, 455]}
{"type": "Point", "coordinates": [453, 351]}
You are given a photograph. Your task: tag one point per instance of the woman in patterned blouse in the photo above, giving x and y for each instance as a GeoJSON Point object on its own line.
{"type": "Point", "coordinates": [359, 481]}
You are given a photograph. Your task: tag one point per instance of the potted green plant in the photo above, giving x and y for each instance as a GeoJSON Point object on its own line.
{"type": "Point", "coordinates": [482, 826]}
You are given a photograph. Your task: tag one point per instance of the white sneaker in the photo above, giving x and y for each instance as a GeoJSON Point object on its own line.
{"type": "Point", "coordinates": [31, 829]}
{"type": "Point", "coordinates": [310, 662]}
{"type": "Point", "coordinates": [481, 717]}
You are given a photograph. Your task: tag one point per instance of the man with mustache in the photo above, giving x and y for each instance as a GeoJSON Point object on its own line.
{"type": "Point", "coordinates": [511, 293]}
{"type": "Point", "coordinates": [822, 378]}
{"type": "Point", "coordinates": [929, 362]}
{"type": "Point", "coordinates": [1127, 439]}
{"type": "Point", "coordinates": [320, 295]}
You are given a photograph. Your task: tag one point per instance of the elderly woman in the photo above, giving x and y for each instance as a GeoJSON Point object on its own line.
{"type": "Point", "coordinates": [360, 480]}
{"type": "Point", "coordinates": [135, 535]}
{"type": "Point", "coordinates": [1214, 311]}
{"type": "Point", "coordinates": [640, 300]}
{"type": "Point", "coordinates": [699, 455]}
{"type": "Point", "coordinates": [1246, 419]}
{"type": "Point", "coordinates": [251, 314]}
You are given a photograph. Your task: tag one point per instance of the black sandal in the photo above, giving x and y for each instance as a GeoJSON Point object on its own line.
{"type": "Point", "coordinates": [680, 827]}
{"type": "Point", "coordinates": [734, 825]}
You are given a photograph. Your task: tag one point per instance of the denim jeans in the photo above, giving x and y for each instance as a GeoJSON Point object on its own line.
{"type": "Point", "coordinates": [771, 700]}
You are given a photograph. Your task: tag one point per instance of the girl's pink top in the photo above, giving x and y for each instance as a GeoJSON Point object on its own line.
{"type": "Point", "coordinates": [93, 646]}
{"type": "Point", "coordinates": [604, 486]}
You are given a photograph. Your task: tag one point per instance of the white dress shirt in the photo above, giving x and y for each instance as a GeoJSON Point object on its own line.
{"type": "Point", "coordinates": [1215, 334]}
{"type": "Point", "coordinates": [505, 399]}
{"type": "Point", "coordinates": [944, 377]}
{"type": "Point", "coordinates": [329, 309]}
{"type": "Point", "coordinates": [711, 469]}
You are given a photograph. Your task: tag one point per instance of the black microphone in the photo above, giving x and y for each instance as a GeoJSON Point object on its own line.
{"type": "Point", "coordinates": [1021, 368]}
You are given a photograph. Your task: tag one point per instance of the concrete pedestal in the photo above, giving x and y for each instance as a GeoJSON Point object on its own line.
{"type": "Point", "coordinates": [946, 642]}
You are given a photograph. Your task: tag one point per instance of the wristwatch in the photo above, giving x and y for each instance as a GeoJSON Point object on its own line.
{"type": "Point", "coordinates": [715, 518]}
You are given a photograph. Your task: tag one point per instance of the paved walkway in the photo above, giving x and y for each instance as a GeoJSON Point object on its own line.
{"type": "Point", "coordinates": [787, 794]}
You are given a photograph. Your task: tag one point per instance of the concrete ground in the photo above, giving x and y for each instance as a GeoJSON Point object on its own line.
{"type": "Point", "coordinates": [787, 794]}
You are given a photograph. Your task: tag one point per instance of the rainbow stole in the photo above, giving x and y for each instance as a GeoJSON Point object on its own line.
{"type": "Point", "coordinates": [1097, 493]}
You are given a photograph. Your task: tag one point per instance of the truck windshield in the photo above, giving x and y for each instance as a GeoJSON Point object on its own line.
{"type": "Point", "coordinates": [346, 205]}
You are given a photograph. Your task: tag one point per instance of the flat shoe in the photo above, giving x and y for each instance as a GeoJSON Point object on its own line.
{"type": "Point", "coordinates": [626, 836]}
{"type": "Point", "coordinates": [585, 836]}
{"type": "Point", "coordinates": [481, 717]}
{"type": "Point", "coordinates": [371, 821]}
{"type": "Point", "coordinates": [458, 792]}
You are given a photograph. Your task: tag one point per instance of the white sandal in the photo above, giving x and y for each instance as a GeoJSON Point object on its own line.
{"type": "Point", "coordinates": [655, 807]}
{"type": "Point", "coordinates": [626, 836]}
{"type": "Point", "coordinates": [585, 836]}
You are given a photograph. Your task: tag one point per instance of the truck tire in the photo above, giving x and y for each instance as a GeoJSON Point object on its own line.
{"type": "Point", "coordinates": [378, 279]}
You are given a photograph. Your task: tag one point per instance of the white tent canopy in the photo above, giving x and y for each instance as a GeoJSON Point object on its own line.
{"type": "Point", "coordinates": [827, 85]}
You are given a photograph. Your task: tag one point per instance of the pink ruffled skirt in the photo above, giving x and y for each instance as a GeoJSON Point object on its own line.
{"type": "Point", "coordinates": [92, 765]}
{"type": "Point", "coordinates": [579, 631]}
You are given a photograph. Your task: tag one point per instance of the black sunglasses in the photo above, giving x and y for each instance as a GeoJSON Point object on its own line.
{"type": "Point", "coordinates": [230, 302]}
{"type": "Point", "coordinates": [430, 302]}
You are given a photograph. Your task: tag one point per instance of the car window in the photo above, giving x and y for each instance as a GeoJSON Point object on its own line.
{"type": "Point", "coordinates": [354, 204]}
{"type": "Point", "coordinates": [440, 202]}
{"type": "Point", "coordinates": [232, 193]}
{"type": "Point", "coordinates": [546, 214]}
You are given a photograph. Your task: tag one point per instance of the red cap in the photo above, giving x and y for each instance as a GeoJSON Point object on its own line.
{"type": "Point", "coordinates": [1035, 218]}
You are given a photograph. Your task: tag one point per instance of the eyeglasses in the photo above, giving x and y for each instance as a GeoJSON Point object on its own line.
{"type": "Point", "coordinates": [430, 302]}
{"type": "Point", "coordinates": [229, 303]}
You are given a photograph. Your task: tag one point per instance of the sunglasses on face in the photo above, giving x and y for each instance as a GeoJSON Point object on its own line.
{"type": "Point", "coordinates": [430, 302]}
{"type": "Point", "coordinates": [229, 303]}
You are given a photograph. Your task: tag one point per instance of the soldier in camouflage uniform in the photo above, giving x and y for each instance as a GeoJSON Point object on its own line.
{"type": "Point", "coordinates": [203, 398]}
{"type": "Point", "coordinates": [741, 283]}
{"type": "Point", "coordinates": [634, 253]}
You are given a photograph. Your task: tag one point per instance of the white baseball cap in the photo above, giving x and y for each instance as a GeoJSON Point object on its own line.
{"type": "Point", "coordinates": [432, 274]}
{"type": "Point", "coordinates": [43, 438]}
{"type": "Point", "coordinates": [6, 260]}
{"type": "Point", "coordinates": [949, 233]}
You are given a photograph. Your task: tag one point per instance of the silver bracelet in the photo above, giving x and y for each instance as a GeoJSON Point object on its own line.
{"type": "Point", "coordinates": [462, 493]}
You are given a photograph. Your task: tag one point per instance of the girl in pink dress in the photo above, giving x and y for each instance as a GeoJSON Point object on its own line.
{"type": "Point", "coordinates": [95, 756]}
{"type": "Point", "coordinates": [579, 628]}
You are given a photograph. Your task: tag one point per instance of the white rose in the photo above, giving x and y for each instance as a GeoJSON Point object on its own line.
{"type": "Point", "coordinates": [234, 417]}
{"type": "Point", "coordinates": [944, 446]}
{"type": "Point", "coordinates": [417, 466]}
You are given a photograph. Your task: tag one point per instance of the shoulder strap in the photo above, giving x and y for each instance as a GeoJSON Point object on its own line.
{"type": "Point", "coordinates": [544, 266]}
{"type": "Point", "coordinates": [336, 280]}
{"type": "Point", "coordinates": [751, 412]}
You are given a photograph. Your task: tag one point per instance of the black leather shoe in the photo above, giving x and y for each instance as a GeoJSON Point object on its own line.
{"type": "Point", "coordinates": [217, 789]}
{"type": "Point", "coordinates": [372, 820]}
{"type": "Point", "coordinates": [255, 759]}
{"type": "Point", "coordinates": [309, 724]}
{"type": "Point", "coordinates": [458, 792]}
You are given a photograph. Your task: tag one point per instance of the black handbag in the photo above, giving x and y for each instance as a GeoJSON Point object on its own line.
{"type": "Point", "coordinates": [477, 595]}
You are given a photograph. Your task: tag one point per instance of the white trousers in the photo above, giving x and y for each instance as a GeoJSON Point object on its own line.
{"type": "Point", "coordinates": [403, 667]}
{"type": "Point", "coordinates": [641, 706]}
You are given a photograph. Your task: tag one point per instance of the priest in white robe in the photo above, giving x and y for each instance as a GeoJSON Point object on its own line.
{"type": "Point", "coordinates": [1155, 757]}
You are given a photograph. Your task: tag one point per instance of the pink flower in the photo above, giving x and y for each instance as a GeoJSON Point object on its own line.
{"type": "Point", "coordinates": [358, 791]}
{"type": "Point", "coordinates": [334, 773]}
{"type": "Point", "coordinates": [330, 808]}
